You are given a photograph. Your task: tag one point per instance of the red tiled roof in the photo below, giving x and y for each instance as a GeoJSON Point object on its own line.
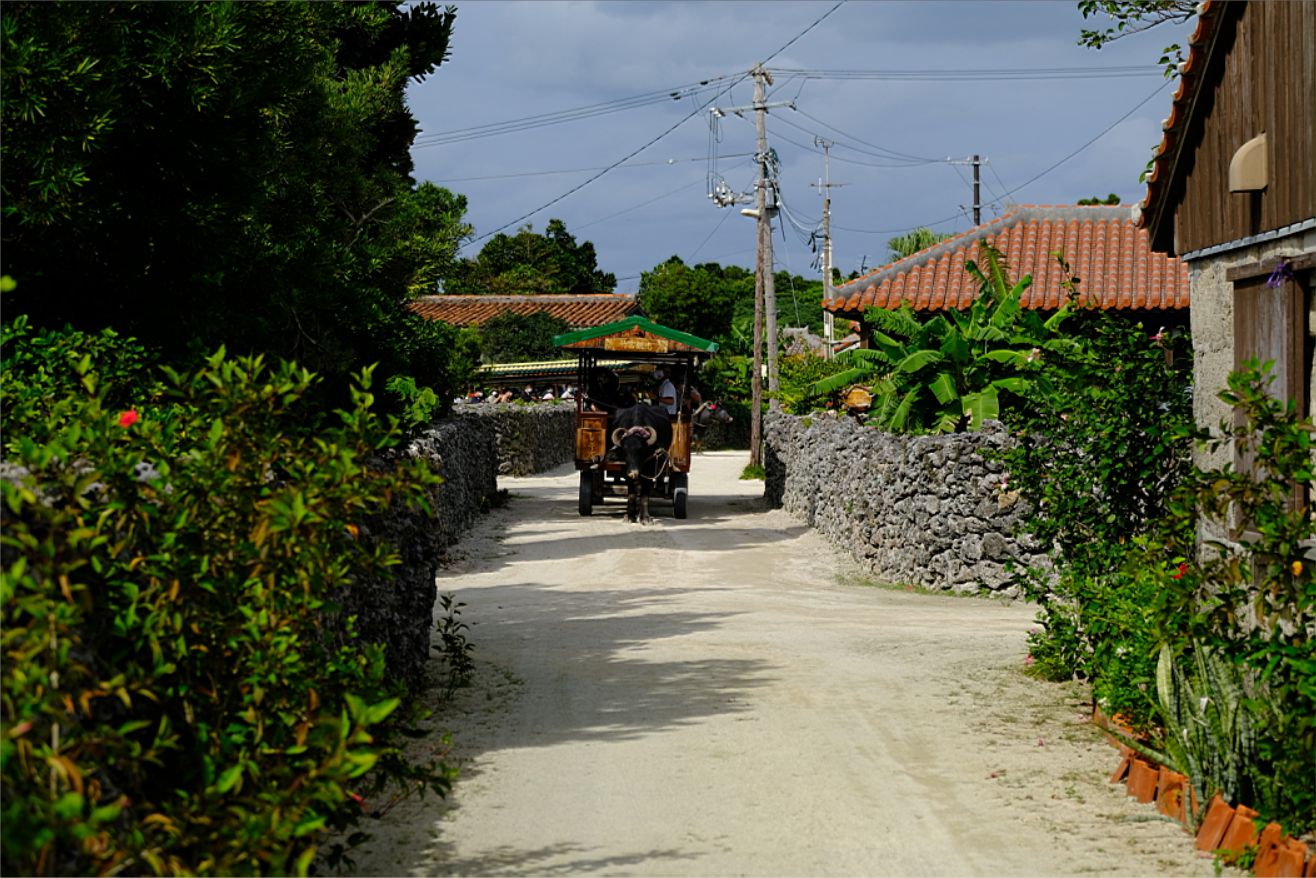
{"type": "Point", "coordinates": [580, 312]}
{"type": "Point", "coordinates": [1105, 250]}
{"type": "Point", "coordinates": [1175, 126]}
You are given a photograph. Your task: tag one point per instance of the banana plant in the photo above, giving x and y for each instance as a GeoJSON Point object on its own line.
{"type": "Point", "coordinates": [939, 374]}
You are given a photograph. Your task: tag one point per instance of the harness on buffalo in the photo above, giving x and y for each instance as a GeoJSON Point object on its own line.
{"type": "Point", "coordinates": [650, 436]}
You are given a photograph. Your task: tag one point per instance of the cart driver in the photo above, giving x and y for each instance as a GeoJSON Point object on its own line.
{"type": "Point", "coordinates": [666, 391]}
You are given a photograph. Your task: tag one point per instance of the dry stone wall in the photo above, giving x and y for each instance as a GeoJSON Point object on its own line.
{"type": "Point", "coordinates": [470, 450]}
{"type": "Point", "coordinates": [929, 511]}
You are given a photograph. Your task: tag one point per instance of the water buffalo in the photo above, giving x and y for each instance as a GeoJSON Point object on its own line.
{"type": "Point", "coordinates": [706, 415]}
{"type": "Point", "coordinates": [641, 435]}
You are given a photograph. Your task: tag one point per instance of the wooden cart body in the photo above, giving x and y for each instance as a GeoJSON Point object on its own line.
{"type": "Point", "coordinates": [632, 349]}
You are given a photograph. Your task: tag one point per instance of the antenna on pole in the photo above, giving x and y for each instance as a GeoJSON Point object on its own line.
{"type": "Point", "coordinates": [824, 188]}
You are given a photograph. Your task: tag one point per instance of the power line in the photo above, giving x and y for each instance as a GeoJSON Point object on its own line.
{"type": "Point", "coordinates": [1028, 182]}
{"type": "Point", "coordinates": [977, 75]}
{"type": "Point", "coordinates": [1102, 134]}
{"type": "Point", "coordinates": [740, 78]}
{"type": "Point", "coordinates": [539, 120]}
{"type": "Point", "coordinates": [576, 170]}
{"type": "Point", "coordinates": [621, 161]}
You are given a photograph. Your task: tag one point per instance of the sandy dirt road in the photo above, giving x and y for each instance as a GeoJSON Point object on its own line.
{"type": "Point", "coordinates": [725, 695]}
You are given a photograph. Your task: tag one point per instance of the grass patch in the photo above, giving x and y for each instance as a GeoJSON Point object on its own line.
{"type": "Point", "coordinates": [752, 472]}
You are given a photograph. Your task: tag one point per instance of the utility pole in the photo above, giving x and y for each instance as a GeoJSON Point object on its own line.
{"type": "Point", "coordinates": [764, 276]}
{"type": "Point", "coordinates": [976, 161]}
{"type": "Point", "coordinates": [765, 294]}
{"type": "Point", "coordinates": [825, 185]}
{"type": "Point", "coordinates": [977, 200]}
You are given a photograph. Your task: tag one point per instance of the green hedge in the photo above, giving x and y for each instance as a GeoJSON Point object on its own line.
{"type": "Point", "coordinates": [181, 692]}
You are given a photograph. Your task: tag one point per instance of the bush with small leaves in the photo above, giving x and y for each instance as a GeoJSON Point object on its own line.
{"type": "Point", "coordinates": [180, 692]}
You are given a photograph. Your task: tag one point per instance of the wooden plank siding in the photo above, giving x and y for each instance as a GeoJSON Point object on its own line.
{"type": "Point", "coordinates": [1260, 90]}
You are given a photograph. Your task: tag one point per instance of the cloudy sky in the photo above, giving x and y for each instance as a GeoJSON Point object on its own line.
{"type": "Point", "coordinates": [898, 87]}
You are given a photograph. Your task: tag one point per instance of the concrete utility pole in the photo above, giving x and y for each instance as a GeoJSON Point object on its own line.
{"type": "Point", "coordinates": [764, 274]}
{"type": "Point", "coordinates": [977, 200]}
{"type": "Point", "coordinates": [976, 161]}
{"type": "Point", "coordinates": [825, 185]}
{"type": "Point", "coordinates": [765, 294]}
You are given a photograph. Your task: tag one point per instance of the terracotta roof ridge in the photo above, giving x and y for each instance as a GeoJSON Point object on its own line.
{"type": "Point", "coordinates": [504, 298]}
{"type": "Point", "coordinates": [1017, 215]}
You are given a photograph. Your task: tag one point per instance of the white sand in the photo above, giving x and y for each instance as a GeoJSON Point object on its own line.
{"type": "Point", "coordinates": [724, 695]}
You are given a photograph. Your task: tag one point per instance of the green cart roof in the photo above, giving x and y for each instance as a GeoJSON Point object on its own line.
{"type": "Point", "coordinates": [636, 335]}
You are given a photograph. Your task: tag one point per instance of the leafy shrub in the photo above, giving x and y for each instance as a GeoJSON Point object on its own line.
{"type": "Point", "coordinates": [1253, 601]}
{"type": "Point", "coordinates": [180, 692]}
{"type": "Point", "coordinates": [1098, 453]}
{"type": "Point", "coordinates": [797, 376]}
{"type": "Point", "coordinates": [38, 366]}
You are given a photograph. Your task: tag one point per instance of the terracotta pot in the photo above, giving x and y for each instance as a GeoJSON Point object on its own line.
{"type": "Point", "coordinates": [1142, 780]}
{"type": "Point", "coordinates": [1242, 832]}
{"type": "Point", "coordinates": [1171, 788]}
{"type": "Point", "coordinates": [1218, 817]}
{"type": "Point", "coordinates": [1291, 855]}
{"type": "Point", "coordinates": [1310, 870]}
{"type": "Point", "coordinates": [1122, 770]}
{"type": "Point", "coordinates": [1268, 848]}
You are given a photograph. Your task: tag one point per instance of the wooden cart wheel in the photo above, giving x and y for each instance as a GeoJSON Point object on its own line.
{"type": "Point", "coordinates": [586, 492]}
{"type": "Point", "coordinates": [680, 488]}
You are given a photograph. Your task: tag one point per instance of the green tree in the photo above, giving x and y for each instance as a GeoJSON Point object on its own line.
{"type": "Point", "coordinates": [693, 300]}
{"type": "Point", "coordinates": [1129, 17]}
{"type": "Point", "coordinates": [519, 338]}
{"type": "Point", "coordinates": [1112, 198]}
{"type": "Point", "coordinates": [528, 263]}
{"type": "Point", "coordinates": [907, 245]}
{"type": "Point", "coordinates": [197, 174]}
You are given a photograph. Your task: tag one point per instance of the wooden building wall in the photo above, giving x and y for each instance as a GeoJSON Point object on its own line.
{"type": "Point", "coordinates": [1265, 85]}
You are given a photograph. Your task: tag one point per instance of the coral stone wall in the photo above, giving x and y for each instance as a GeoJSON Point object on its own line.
{"type": "Point", "coordinates": [922, 510]}
{"type": "Point", "coordinates": [470, 450]}
{"type": "Point", "coordinates": [530, 438]}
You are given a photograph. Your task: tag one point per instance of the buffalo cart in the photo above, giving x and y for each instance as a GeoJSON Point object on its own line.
{"type": "Point", "coordinates": [615, 368]}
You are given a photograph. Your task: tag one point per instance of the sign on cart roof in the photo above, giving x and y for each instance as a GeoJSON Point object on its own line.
{"type": "Point", "coordinates": [636, 335]}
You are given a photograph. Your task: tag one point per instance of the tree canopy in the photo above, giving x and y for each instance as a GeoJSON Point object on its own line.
{"type": "Point", "coordinates": [529, 263]}
{"type": "Point", "coordinates": [908, 244]}
{"type": "Point", "coordinates": [198, 174]}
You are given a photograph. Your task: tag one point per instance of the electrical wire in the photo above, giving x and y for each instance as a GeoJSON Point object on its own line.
{"type": "Point", "coordinates": [1030, 181]}
{"type": "Point", "coordinates": [741, 77]}
{"type": "Point", "coordinates": [575, 170]}
{"type": "Point", "coordinates": [977, 75]}
{"type": "Point", "coordinates": [1164, 85]}
{"type": "Point", "coordinates": [526, 123]}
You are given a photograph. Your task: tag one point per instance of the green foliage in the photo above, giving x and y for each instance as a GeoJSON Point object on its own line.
{"type": "Point", "coordinates": [1096, 458]}
{"type": "Point", "coordinates": [181, 692]}
{"type": "Point", "coordinates": [753, 472]}
{"type": "Point", "coordinates": [1204, 730]}
{"type": "Point", "coordinates": [1112, 198]}
{"type": "Point", "coordinates": [196, 174]}
{"type": "Point", "coordinates": [1135, 16]}
{"type": "Point", "coordinates": [907, 245]}
{"type": "Point", "coordinates": [37, 367]}
{"type": "Point", "coordinates": [1253, 600]}
{"type": "Point", "coordinates": [692, 300]}
{"type": "Point", "coordinates": [528, 263]}
{"type": "Point", "coordinates": [953, 369]}
{"type": "Point", "coordinates": [455, 647]}
{"type": "Point", "coordinates": [799, 374]}
{"type": "Point", "coordinates": [519, 338]}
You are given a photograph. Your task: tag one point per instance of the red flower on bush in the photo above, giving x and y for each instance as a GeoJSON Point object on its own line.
{"type": "Point", "coordinates": [1183, 568]}
{"type": "Point", "coordinates": [128, 418]}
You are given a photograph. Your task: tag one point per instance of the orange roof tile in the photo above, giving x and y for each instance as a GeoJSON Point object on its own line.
{"type": "Point", "coordinates": [1106, 251]}
{"type": "Point", "coordinates": [580, 312]}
